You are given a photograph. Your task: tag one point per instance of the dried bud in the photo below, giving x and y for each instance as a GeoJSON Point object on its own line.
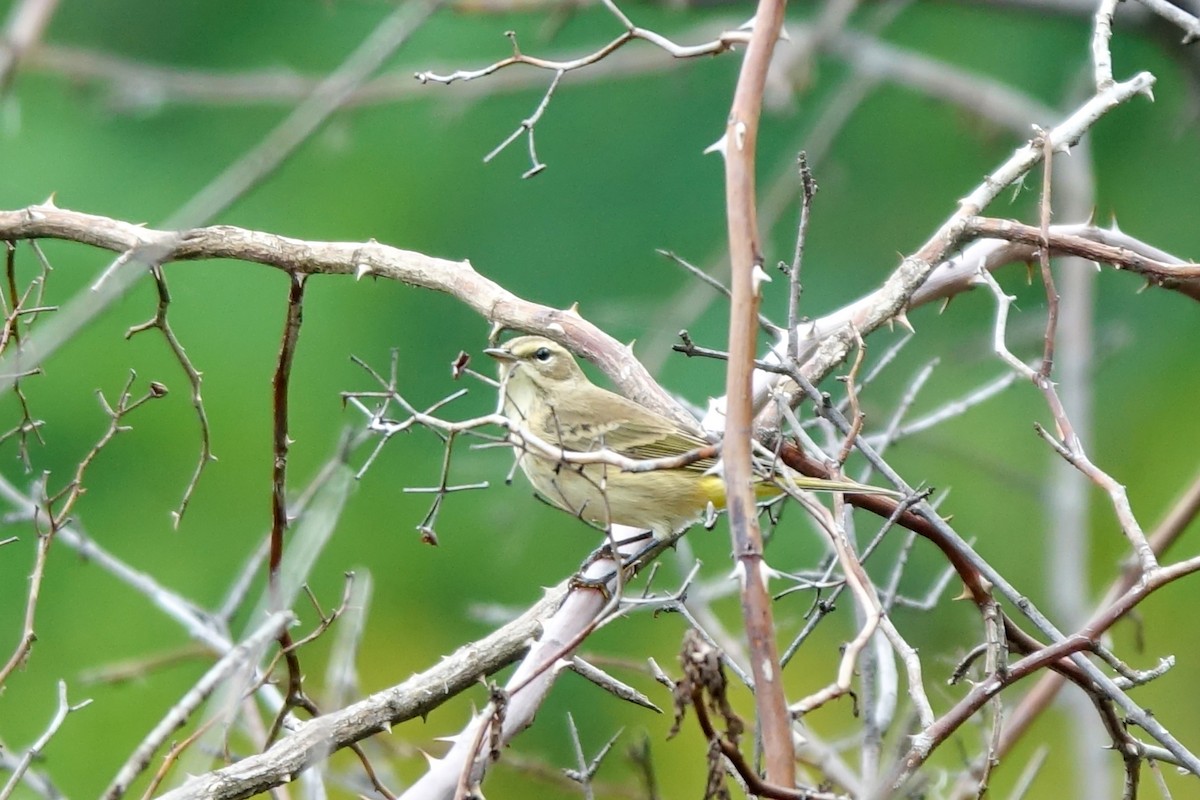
{"type": "Point", "coordinates": [459, 364]}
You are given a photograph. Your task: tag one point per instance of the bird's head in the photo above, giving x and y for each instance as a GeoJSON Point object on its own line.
{"type": "Point", "coordinates": [535, 362]}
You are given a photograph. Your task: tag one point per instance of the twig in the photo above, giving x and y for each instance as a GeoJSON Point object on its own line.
{"type": "Point", "coordinates": [294, 696]}
{"type": "Point", "coordinates": [767, 326]}
{"type": "Point", "coordinates": [721, 44]}
{"type": "Point", "coordinates": [527, 126]}
{"type": "Point", "coordinates": [808, 190]}
{"type": "Point", "coordinates": [1177, 16]}
{"type": "Point", "coordinates": [34, 751]}
{"type": "Point", "coordinates": [1040, 697]}
{"type": "Point", "coordinates": [236, 180]}
{"type": "Point", "coordinates": [738, 146]}
{"type": "Point", "coordinates": [53, 511]}
{"type": "Point", "coordinates": [241, 658]}
{"type": "Point", "coordinates": [160, 321]}
{"type": "Point", "coordinates": [1067, 443]}
{"type": "Point", "coordinates": [901, 289]}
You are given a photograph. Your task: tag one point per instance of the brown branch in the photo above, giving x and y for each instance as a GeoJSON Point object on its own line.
{"type": "Point", "coordinates": [54, 511]}
{"type": "Point", "coordinates": [316, 739]}
{"type": "Point", "coordinates": [295, 696]}
{"type": "Point", "coordinates": [1052, 296]}
{"type": "Point", "coordinates": [1039, 698]}
{"type": "Point", "coordinates": [1086, 639]}
{"type": "Point", "coordinates": [703, 687]}
{"type": "Point", "coordinates": [19, 310]}
{"type": "Point", "coordinates": [738, 145]}
{"type": "Point", "coordinates": [245, 654]}
{"type": "Point", "coordinates": [721, 44]}
{"type": "Point", "coordinates": [808, 190]}
{"type": "Point", "coordinates": [456, 278]}
{"type": "Point", "coordinates": [195, 380]}
{"type": "Point", "coordinates": [1183, 277]}
{"type": "Point", "coordinates": [904, 285]}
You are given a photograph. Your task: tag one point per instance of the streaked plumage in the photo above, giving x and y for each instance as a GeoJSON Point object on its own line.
{"type": "Point", "coordinates": [547, 394]}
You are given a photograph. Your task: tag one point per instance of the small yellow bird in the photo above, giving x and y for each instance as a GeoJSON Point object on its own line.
{"type": "Point", "coordinates": [547, 395]}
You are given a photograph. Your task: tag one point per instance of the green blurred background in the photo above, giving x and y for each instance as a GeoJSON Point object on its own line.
{"type": "Point", "coordinates": [626, 176]}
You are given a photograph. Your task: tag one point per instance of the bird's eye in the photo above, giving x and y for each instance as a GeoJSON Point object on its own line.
{"type": "Point", "coordinates": [542, 354]}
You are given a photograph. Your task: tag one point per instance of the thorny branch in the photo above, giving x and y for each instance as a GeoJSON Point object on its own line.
{"type": "Point", "coordinates": [721, 44]}
{"type": "Point", "coordinates": [243, 657]}
{"type": "Point", "coordinates": [295, 696]}
{"type": "Point", "coordinates": [915, 277]}
{"type": "Point", "coordinates": [54, 511]}
{"type": "Point", "coordinates": [34, 751]}
{"type": "Point", "coordinates": [610, 457]}
{"type": "Point", "coordinates": [738, 144]}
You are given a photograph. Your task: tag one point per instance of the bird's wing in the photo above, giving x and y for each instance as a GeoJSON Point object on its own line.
{"type": "Point", "coordinates": [628, 428]}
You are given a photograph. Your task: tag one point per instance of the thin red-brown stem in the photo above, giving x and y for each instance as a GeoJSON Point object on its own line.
{"type": "Point", "coordinates": [1048, 686]}
{"type": "Point", "coordinates": [1044, 262]}
{"type": "Point", "coordinates": [279, 518]}
{"type": "Point", "coordinates": [741, 135]}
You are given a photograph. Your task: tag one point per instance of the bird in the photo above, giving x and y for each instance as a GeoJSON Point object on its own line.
{"type": "Point", "coordinates": [546, 394]}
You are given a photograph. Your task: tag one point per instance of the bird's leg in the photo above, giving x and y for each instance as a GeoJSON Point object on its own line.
{"type": "Point", "coordinates": [600, 584]}
{"type": "Point", "coordinates": [611, 551]}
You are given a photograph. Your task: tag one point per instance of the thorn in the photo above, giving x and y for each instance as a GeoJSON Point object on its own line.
{"type": "Point", "coordinates": [1113, 225]}
{"type": "Point", "coordinates": [945, 304]}
{"type": "Point", "coordinates": [573, 311]}
{"type": "Point", "coordinates": [1149, 93]}
{"type": "Point", "coordinates": [716, 147]}
{"type": "Point", "coordinates": [361, 271]}
{"type": "Point", "coordinates": [759, 276]}
{"type": "Point", "coordinates": [629, 347]}
{"type": "Point", "coordinates": [49, 201]}
{"type": "Point", "coordinates": [557, 328]}
{"type": "Point", "coordinates": [767, 572]}
{"type": "Point", "coordinates": [902, 320]}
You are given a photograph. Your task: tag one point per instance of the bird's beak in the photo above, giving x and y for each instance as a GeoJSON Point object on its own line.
{"type": "Point", "coordinates": [500, 354]}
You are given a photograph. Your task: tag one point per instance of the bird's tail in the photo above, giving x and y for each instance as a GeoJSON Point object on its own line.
{"type": "Point", "coordinates": [793, 479]}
